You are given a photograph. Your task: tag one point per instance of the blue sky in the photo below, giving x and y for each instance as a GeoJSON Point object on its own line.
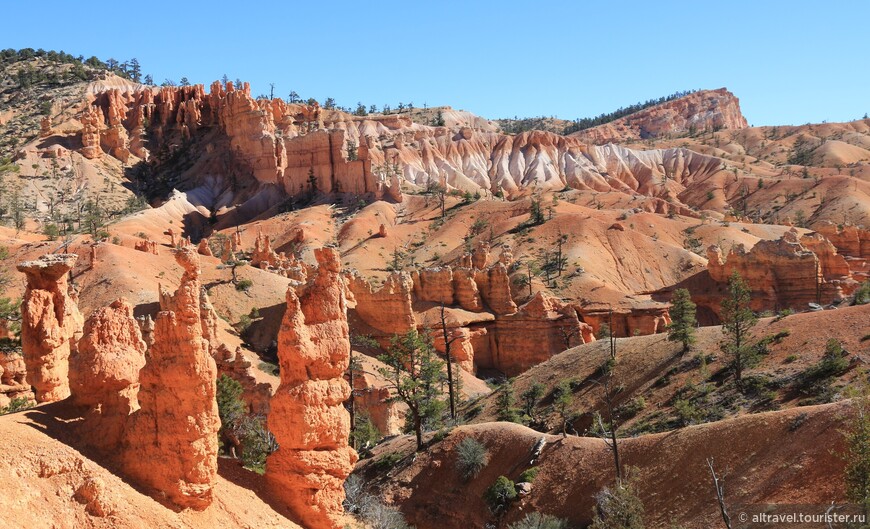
{"type": "Point", "coordinates": [788, 62]}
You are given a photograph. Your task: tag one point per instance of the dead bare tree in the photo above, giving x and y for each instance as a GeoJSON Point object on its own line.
{"type": "Point", "coordinates": [608, 432]}
{"type": "Point", "coordinates": [719, 484]}
{"type": "Point", "coordinates": [567, 333]}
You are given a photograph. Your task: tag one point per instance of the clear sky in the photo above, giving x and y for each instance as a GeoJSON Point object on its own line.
{"type": "Point", "coordinates": [789, 62]}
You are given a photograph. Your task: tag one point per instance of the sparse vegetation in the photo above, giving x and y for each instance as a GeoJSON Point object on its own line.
{"type": "Point", "coordinates": [15, 405]}
{"type": "Point", "coordinates": [471, 458]}
{"type": "Point", "coordinates": [504, 403]}
{"type": "Point", "coordinates": [368, 508]}
{"type": "Point", "coordinates": [618, 507]}
{"type": "Point", "coordinates": [500, 494]}
{"type": "Point", "coordinates": [241, 430]}
{"type": "Point", "coordinates": [535, 520]}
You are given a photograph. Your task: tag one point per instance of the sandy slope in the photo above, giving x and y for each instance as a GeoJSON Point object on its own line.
{"type": "Point", "coordinates": [781, 457]}
{"type": "Point", "coordinates": [44, 477]}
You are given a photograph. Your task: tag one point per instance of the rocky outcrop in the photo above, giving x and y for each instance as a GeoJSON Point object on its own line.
{"type": "Point", "coordinates": [638, 319]}
{"type": "Point", "coordinates": [494, 286]}
{"type": "Point", "coordinates": [541, 328]}
{"type": "Point", "coordinates": [251, 131]}
{"type": "Point", "coordinates": [373, 398]}
{"type": "Point", "coordinates": [147, 245]}
{"type": "Point", "coordinates": [387, 309]}
{"type": "Point", "coordinates": [114, 137]}
{"type": "Point", "coordinates": [104, 373]}
{"type": "Point", "coordinates": [785, 273]}
{"type": "Point", "coordinates": [850, 241]}
{"type": "Point", "coordinates": [307, 417]}
{"type": "Point", "coordinates": [51, 324]}
{"type": "Point", "coordinates": [172, 446]}
{"type": "Point", "coordinates": [203, 248]}
{"type": "Point", "coordinates": [13, 379]}
{"type": "Point", "coordinates": [92, 123]}
{"type": "Point", "coordinates": [699, 111]}
{"type": "Point", "coordinates": [434, 284]}
{"type": "Point", "coordinates": [234, 364]}
{"type": "Point", "coordinates": [263, 252]}
{"type": "Point", "coordinates": [853, 243]}
{"type": "Point", "coordinates": [45, 127]}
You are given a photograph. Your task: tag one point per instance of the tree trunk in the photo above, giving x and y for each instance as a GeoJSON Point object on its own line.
{"type": "Point", "coordinates": [418, 430]}
{"type": "Point", "coordinates": [447, 342]}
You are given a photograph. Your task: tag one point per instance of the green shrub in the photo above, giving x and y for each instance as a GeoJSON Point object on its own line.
{"type": "Point", "coordinates": [257, 442]}
{"type": "Point", "coordinates": [504, 403]}
{"type": "Point", "coordinates": [243, 285]}
{"type": "Point", "coordinates": [832, 364]}
{"type": "Point", "coordinates": [15, 405]}
{"type": "Point", "coordinates": [365, 434]}
{"type": "Point", "coordinates": [862, 295]}
{"type": "Point", "coordinates": [440, 435]}
{"type": "Point", "coordinates": [618, 508]}
{"type": "Point", "coordinates": [270, 368]}
{"type": "Point", "coordinates": [632, 407]}
{"type": "Point", "coordinates": [687, 412]}
{"type": "Point", "coordinates": [244, 323]}
{"type": "Point", "coordinates": [471, 458]}
{"type": "Point", "coordinates": [529, 475]}
{"type": "Point", "coordinates": [51, 231]}
{"type": "Point", "coordinates": [535, 520]}
{"type": "Point", "coordinates": [500, 494]}
{"type": "Point", "coordinates": [231, 407]}
{"type": "Point", "coordinates": [387, 461]}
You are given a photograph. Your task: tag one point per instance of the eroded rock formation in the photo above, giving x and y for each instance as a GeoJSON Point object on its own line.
{"type": "Point", "coordinates": [147, 245]}
{"type": "Point", "coordinates": [542, 327]}
{"type": "Point", "coordinates": [387, 309]}
{"type": "Point", "coordinates": [306, 149]}
{"type": "Point", "coordinates": [786, 273]}
{"type": "Point", "coordinates": [50, 325]}
{"type": "Point", "coordinates": [13, 379]}
{"type": "Point", "coordinates": [700, 111]}
{"type": "Point", "coordinates": [172, 446]}
{"type": "Point", "coordinates": [104, 372]}
{"type": "Point", "coordinates": [307, 417]}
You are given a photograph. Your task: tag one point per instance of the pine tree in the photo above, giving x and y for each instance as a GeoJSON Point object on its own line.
{"type": "Point", "coordinates": [414, 371]}
{"type": "Point", "coordinates": [682, 327]}
{"type": "Point", "coordinates": [135, 70]}
{"type": "Point", "coordinates": [504, 403]}
{"type": "Point", "coordinates": [536, 213]}
{"type": "Point", "coordinates": [857, 455]}
{"type": "Point", "coordinates": [737, 322]}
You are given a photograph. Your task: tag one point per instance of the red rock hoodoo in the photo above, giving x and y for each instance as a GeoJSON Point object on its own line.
{"type": "Point", "coordinates": [172, 445]}
{"type": "Point", "coordinates": [50, 325]}
{"type": "Point", "coordinates": [307, 417]}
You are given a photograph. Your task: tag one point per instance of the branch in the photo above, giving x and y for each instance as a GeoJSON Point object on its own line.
{"type": "Point", "coordinates": [719, 484]}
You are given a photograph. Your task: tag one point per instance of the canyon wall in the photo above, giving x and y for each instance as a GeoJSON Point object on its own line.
{"type": "Point", "coordinates": [304, 148]}
{"type": "Point", "coordinates": [700, 111]}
